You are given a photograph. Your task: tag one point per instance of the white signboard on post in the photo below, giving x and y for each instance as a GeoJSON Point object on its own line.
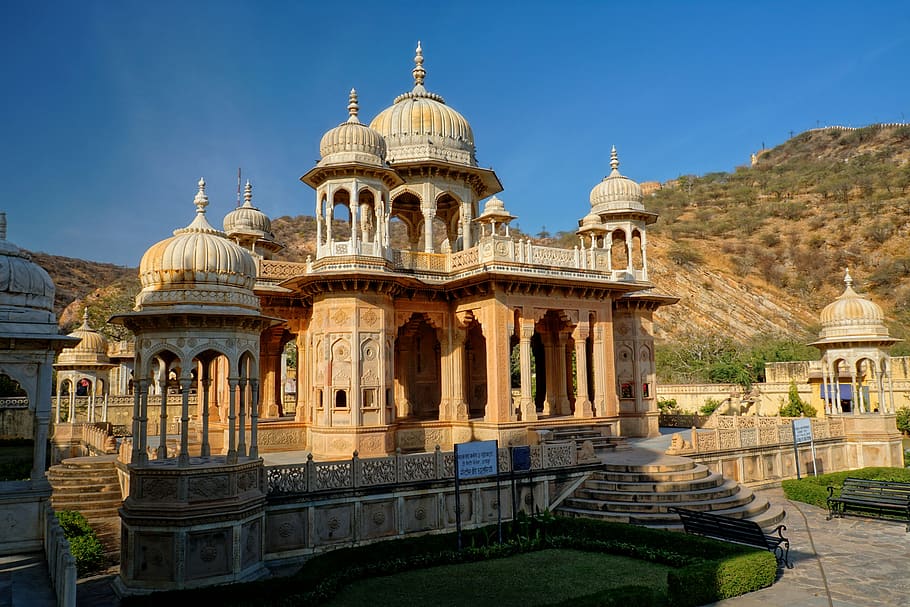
{"type": "Point", "coordinates": [802, 430]}
{"type": "Point", "coordinates": [802, 433]}
{"type": "Point", "coordinates": [476, 459]}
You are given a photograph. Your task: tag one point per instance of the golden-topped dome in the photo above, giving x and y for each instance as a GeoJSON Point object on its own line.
{"type": "Point", "coordinates": [352, 141]}
{"type": "Point", "coordinates": [615, 192]}
{"type": "Point", "coordinates": [420, 126]}
{"type": "Point", "coordinates": [247, 220]}
{"type": "Point", "coordinates": [198, 265]}
{"type": "Point", "coordinates": [852, 316]}
{"type": "Point", "coordinates": [91, 349]}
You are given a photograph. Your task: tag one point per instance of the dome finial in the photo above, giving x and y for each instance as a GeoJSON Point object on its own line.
{"type": "Point", "coordinates": [201, 201]}
{"type": "Point", "coordinates": [848, 280]}
{"type": "Point", "coordinates": [248, 194]}
{"type": "Point", "coordinates": [614, 159]}
{"type": "Point", "coordinates": [353, 107]}
{"type": "Point", "coordinates": [85, 318]}
{"type": "Point", "coordinates": [418, 71]}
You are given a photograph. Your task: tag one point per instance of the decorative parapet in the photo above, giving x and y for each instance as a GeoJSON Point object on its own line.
{"type": "Point", "coordinates": [744, 432]}
{"type": "Point", "coordinates": [60, 562]}
{"type": "Point", "coordinates": [491, 250]}
{"type": "Point", "coordinates": [14, 402]}
{"type": "Point", "coordinates": [356, 473]}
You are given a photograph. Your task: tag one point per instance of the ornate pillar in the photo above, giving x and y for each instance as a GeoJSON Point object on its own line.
{"type": "Point", "coordinates": [42, 418]}
{"type": "Point", "coordinates": [496, 326]}
{"type": "Point", "coordinates": [206, 449]}
{"type": "Point", "coordinates": [270, 348]}
{"type": "Point", "coordinates": [186, 383]}
{"type": "Point", "coordinates": [583, 408]}
{"type": "Point", "coordinates": [353, 208]}
{"type": "Point", "coordinates": [241, 427]}
{"type": "Point", "coordinates": [161, 452]}
{"type": "Point", "coordinates": [254, 419]}
{"type": "Point", "coordinates": [428, 213]}
{"type": "Point", "coordinates": [528, 408]}
{"type": "Point", "coordinates": [458, 409]}
{"type": "Point", "coordinates": [138, 389]}
{"type": "Point", "coordinates": [143, 441]}
{"type": "Point", "coordinates": [467, 238]}
{"type": "Point", "coordinates": [232, 420]}
{"type": "Point", "coordinates": [644, 254]}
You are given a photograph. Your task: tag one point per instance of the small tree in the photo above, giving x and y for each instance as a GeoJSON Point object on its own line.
{"type": "Point", "coordinates": [903, 420]}
{"type": "Point", "coordinates": [710, 406]}
{"type": "Point", "coordinates": [795, 406]}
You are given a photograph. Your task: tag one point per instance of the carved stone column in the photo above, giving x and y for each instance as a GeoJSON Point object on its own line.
{"type": "Point", "coordinates": [583, 408]}
{"type": "Point", "coordinates": [428, 214]}
{"type": "Point", "coordinates": [496, 329]}
{"type": "Point", "coordinates": [458, 404]}
{"type": "Point", "coordinates": [186, 383]}
{"type": "Point", "coordinates": [526, 332]}
{"type": "Point", "coordinates": [232, 420]}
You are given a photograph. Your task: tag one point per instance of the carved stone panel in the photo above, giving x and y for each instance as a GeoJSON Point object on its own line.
{"type": "Point", "coordinates": [333, 523]}
{"type": "Point", "coordinates": [251, 543]}
{"type": "Point", "coordinates": [467, 508]}
{"type": "Point", "coordinates": [378, 519]}
{"type": "Point", "coordinates": [490, 504]}
{"type": "Point", "coordinates": [286, 531]}
{"type": "Point", "coordinates": [208, 487]}
{"type": "Point", "coordinates": [155, 559]}
{"type": "Point", "coordinates": [420, 513]}
{"type": "Point", "coordinates": [209, 553]}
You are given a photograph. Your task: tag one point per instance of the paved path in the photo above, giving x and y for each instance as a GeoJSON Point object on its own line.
{"type": "Point", "coordinates": [24, 581]}
{"type": "Point", "coordinates": [844, 562]}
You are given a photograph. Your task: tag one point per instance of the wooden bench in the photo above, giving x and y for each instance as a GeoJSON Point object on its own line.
{"type": "Point", "coordinates": [738, 531]}
{"type": "Point", "coordinates": [866, 497]}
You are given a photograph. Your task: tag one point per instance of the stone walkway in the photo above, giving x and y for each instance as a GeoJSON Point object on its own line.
{"type": "Point", "coordinates": [844, 562]}
{"type": "Point", "coordinates": [25, 582]}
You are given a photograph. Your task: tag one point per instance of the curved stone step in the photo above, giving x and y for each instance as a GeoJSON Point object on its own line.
{"type": "Point", "coordinates": [711, 480]}
{"type": "Point", "coordinates": [695, 472]}
{"type": "Point", "coordinates": [726, 488]}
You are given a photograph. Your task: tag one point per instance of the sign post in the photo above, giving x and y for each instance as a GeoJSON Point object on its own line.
{"type": "Point", "coordinates": [521, 462]}
{"type": "Point", "coordinates": [802, 433]}
{"type": "Point", "coordinates": [474, 460]}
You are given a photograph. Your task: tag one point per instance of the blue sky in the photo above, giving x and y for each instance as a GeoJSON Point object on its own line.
{"type": "Point", "coordinates": [113, 110]}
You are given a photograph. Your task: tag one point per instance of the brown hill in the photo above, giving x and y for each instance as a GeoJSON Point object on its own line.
{"type": "Point", "coordinates": [757, 251]}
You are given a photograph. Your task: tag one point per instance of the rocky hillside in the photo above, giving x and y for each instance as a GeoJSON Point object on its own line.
{"type": "Point", "coordinates": [760, 250]}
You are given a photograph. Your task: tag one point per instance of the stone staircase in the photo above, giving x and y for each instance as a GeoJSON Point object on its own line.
{"type": "Point", "coordinates": [642, 492]}
{"type": "Point", "coordinates": [89, 485]}
{"type": "Point", "coordinates": [580, 434]}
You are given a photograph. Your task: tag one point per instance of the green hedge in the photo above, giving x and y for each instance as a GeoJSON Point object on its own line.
{"type": "Point", "coordinates": [814, 489]}
{"type": "Point", "coordinates": [706, 570]}
{"type": "Point", "coordinates": [84, 545]}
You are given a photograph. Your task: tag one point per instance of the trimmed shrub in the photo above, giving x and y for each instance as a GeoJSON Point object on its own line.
{"type": "Point", "coordinates": [84, 545]}
{"type": "Point", "coordinates": [709, 582]}
{"type": "Point", "coordinates": [903, 420]}
{"type": "Point", "coordinates": [710, 406]}
{"type": "Point", "coordinates": [814, 489]}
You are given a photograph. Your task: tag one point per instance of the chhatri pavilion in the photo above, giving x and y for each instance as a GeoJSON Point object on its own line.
{"type": "Point", "coordinates": [402, 348]}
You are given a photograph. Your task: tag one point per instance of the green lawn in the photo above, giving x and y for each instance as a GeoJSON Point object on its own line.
{"type": "Point", "coordinates": [536, 578]}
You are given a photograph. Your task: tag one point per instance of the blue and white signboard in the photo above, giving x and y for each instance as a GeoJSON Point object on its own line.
{"type": "Point", "coordinates": [476, 459]}
{"type": "Point", "coordinates": [802, 430]}
{"type": "Point", "coordinates": [802, 433]}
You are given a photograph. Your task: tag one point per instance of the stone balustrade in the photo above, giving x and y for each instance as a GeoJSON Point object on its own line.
{"type": "Point", "coordinates": [355, 473]}
{"type": "Point", "coordinates": [742, 432]}
{"type": "Point", "coordinates": [60, 562]}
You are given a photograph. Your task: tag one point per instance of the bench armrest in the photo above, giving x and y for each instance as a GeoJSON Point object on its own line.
{"type": "Point", "coordinates": [830, 491]}
{"type": "Point", "coordinates": [780, 531]}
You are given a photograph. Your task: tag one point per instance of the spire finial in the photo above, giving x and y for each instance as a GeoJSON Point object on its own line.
{"type": "Point", "coordinates": [353, 107]}
{"type": "Point", "coordinates": [85, 317]}
{"type": "Point", "coordinates": [201, 201]}
{"type": "Point", "coordinates": [248, 194]}
{"type": "Point", "coordinates": [614, 159]}
{"type": "Point", "coordinates": [2, 225]}
{"type": "Point", "coordinates": [419, 72]}
{"type": "Point", "coordinates": [848, 280]}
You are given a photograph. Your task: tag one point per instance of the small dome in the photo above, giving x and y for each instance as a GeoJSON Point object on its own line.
{"type": "Point", "coordinates": [26, 290]}
{"type": "Point", "coordinates": [495, 209]}
{"type": "Point", "coordinates": [852, 316]}
{"type": "Point", "coordinates": [419, 126]}
{"type": "Point", "coordinates": [352, 141]}
{"type": "Point", "coordinates": [91, 349]}
{"type": "Point", "coordinates": [197, 266]}
{"type": "Point", "coordinates": [247, 219]}
{"type": "Point", "coordinates": [591, 222]}
{"type": "Point", "coordinates": [615, 192]}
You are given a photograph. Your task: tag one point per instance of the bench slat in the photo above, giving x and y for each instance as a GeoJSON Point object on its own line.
{"type": "Point", "coordinates": [739, 531]}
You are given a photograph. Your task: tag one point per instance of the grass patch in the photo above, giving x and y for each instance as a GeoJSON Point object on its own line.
{"type": "Point", "coordinates": [696, 570]}
{"type": "Point", "coordinates": [546, 577]}
{"type": "Point", "coordinates": [814, 489]}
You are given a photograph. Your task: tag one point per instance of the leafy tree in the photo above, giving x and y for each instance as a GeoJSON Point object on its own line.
{"type": "Point", "coordinates": [795, 406]}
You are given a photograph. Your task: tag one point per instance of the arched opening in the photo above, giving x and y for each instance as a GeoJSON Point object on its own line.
{"type": "Point", "coordinates": [406, 207]}
{"type": "Point", "coordinates": [367, 216]}
{"type": "Point", "coordinates": [637, 257]}
{"type": "Point", "coordinates": [341, 216]}
{"type": "Point", "coordinates": [619, 252]}
{"type": "Point", "coordinates": [417, 369]}
{"type": "Point", "coordinates": [16, 422]}
{"type": "Point", "coordinates": [476, 365]}
{"type": "Point", "coordinates": [289, 377]}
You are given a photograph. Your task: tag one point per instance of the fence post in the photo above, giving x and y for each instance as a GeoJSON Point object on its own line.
{"type": "Point", "coordinates": [440, 463]}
